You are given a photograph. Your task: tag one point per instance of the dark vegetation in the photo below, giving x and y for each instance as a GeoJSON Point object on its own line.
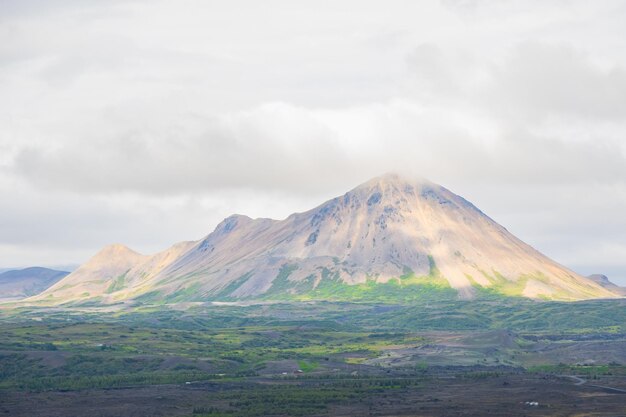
{"type": "Point", "coordinates": [310, 358]}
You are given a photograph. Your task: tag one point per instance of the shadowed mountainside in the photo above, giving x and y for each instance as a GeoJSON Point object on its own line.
{"type": "Point", "coordinates": [21, 283]}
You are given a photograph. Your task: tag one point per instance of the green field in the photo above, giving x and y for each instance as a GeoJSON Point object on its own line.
{"type": "Point", "coordinates": [304, 358]}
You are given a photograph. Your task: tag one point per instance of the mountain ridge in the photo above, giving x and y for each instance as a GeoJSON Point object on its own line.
{"type": "Point", "coordinates": [387, 231]}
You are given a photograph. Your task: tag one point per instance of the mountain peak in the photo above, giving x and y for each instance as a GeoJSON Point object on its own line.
{"type": "Point", "coordinates": [231, 222]}
{"type": "Point", "coordinates": [398, 190]}
{"type": "Point", "coordinates": [395, 193]}
{"type": "Point", "coordinates": [394, 180]}
{"type": "Point", "coordinates": [114, 256]}
{"type": "Point", "coordinates": [116, 249]}
{"type": "Point", "coordinates": [605, 282]}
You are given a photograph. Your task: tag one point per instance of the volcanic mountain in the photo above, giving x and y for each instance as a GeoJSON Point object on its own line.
{"type": "Point", "coordinates": [389, 237]}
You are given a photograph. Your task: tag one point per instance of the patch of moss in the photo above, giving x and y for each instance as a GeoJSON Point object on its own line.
{"type": "Point", "coordinates": [406, 288]}
{"type": "Point", "coordinates": [226, 292]}
{"type": "Point", "coordinates": [117, 284]}
{"type": "Point", "coordinates": [190, 293]}
{"type": "Point", "coordinates": [504, 286]}
{"type": "Point", "coordinates": [284, 288]}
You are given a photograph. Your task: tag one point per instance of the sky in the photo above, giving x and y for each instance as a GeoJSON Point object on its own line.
{"type": "Point", "coordinates": [148, 122]}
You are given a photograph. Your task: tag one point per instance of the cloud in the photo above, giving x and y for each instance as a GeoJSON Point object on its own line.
{"type": "Point", "coordinates": [278, 146]}
{"type": "Point", "coordinates": [126, 113]}
{"type": "Point", "coordinates": [542, 81]}
{"type": "Point", "coordinates": [273, 146]}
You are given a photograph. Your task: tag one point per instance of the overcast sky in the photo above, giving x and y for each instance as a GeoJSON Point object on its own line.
{"type": "Point", "coordinates": [148, 122]}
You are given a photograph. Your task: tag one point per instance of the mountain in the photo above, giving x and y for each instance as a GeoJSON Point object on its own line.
{"type": "Point", "coordinates": [22, 283]}
{"type": "Point", "coordinates": [604, 281]}
{"type": "Point", "coordinates": [389, 239]}
{"type": "Point", "coordinates": [113, 274]}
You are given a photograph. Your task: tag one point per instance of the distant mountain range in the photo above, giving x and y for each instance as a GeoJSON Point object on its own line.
{"type": "Point", "coordinates": [21, 283]}
{"type": "Point", "coordinates": [390, 239]}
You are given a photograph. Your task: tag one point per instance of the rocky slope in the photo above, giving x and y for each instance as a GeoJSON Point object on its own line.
{"type": "Point", "coordinates": [387, 233]}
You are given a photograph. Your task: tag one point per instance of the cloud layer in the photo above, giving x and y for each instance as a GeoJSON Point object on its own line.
{"type": "Point", "coordinates": [148, 122]}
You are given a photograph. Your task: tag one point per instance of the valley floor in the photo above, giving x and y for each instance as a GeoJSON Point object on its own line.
{"type": "Point", "coordinates": [316, 359]}
{"type": "Point", "coordinates": [435, 393]}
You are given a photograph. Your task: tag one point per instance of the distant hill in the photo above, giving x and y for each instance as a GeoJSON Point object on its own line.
{"type": "Point", "coordinates": [21, 283]}
{"type": "Point", "coordinates": [604, 281]}
{"type": "Point", "coordinates": [390, 239]}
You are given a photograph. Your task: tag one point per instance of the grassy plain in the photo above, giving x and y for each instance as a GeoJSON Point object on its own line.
{"type": "Point", "coordinates": [316, 358]}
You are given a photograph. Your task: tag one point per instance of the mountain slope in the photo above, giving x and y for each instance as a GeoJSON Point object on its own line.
{"type": "Point", "coordinates": [389, 234]}
{"type": "Point", "coordinates": [16, 284]}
